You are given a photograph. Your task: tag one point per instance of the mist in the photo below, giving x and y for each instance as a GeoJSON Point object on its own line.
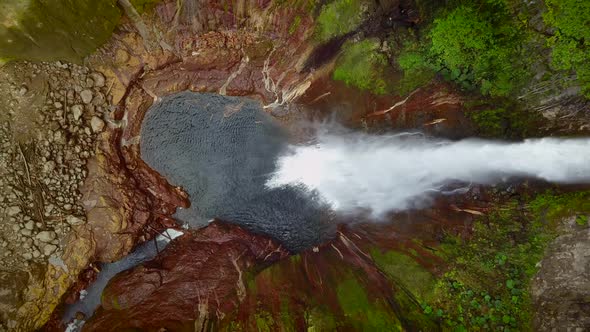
{"type": "Point", "coordinates": [384, 173]}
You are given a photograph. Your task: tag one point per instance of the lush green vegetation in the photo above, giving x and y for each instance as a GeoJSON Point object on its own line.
{"type": "Point", "coordinates": [45, 30]}
{"type": "Point", "coordinates": [477, 45]}
{"type": "Point", "coordinates": [416, 71]}
{"type": "Point", "coordinates": [480, 283]}
{"type": "Point", "coordinates": [505, 122]}
{"type": "Point", "coordinates": [486, 287]}
{"type": "Point", "coordinates": [362, 66]}
{"type": "Point", "coordinates": [486, 279]}
{"type": "Point", "coordinates": [489, 46]}
{"type": "Point", "coordinates": [551, 206]}
{"type": "Point", "coordinates": [338, 17]}
{"type": "Point", "coordinates": [570, 42]}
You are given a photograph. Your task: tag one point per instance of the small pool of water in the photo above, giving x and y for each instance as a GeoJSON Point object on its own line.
{"type": "Point", "coordinates": [222, 150]}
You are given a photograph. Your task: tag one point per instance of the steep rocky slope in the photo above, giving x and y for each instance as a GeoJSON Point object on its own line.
{"type": "Point", "coordinates": [75, 191]}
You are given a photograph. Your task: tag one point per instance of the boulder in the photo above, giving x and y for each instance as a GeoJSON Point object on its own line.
{"type": "Point", "coordinates": [45, 236]}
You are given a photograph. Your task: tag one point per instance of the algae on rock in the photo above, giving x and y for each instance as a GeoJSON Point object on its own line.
{"type": "Point", "coordinates": [47, 30]}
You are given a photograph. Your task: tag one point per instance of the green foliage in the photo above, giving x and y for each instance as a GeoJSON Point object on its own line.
{"type": "Point", "coordinates": [361, 66]}
{"type": "Point", "coordinates": [460, 36]}
{"type": "Point", "coordinates": [571, 40]}
{"type": "Point", "coordinates": [417, 71]}
{"type": "Point", "coordinates": [479, 47]}
{"type": "Point", "coordinates": [338, 17]}
{"type": "Point", "coordinates": [582, 220]}
{"type": "Point", "coordinates": [552, 207]}
{"type": "Point", "coordinates": [505, 123]}
{"type": "Point", "coordinates": [486, 287]}
{"type": "Point", "coordinates": [490, 122]}
{"type": "Point", "coordinates": [413, 284]}
{"type": "Point", "coordinates": [264, 321]}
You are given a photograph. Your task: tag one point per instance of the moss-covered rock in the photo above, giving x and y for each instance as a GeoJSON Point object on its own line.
{"type": "Point", "coordinates": [46, 30]}
{"type": "Point", "coordinates": [362, 66]}
{"type": "Point", "coordinates": [338, 18]}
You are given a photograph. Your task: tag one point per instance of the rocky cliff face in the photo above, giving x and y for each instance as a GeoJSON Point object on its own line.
{"type": "Point", "coordinates": [80, 194]}
{"type": "Point", "coordinates": [200, 277]}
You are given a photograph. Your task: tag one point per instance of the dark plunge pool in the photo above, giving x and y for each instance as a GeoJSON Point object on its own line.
{"type": "Point", "coordinates": [222, 150]}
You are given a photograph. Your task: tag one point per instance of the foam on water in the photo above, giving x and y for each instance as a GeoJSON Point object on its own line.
{"type": "Point", "coordinates": [352, 170]}
{"type": "Point", "coordinates": [222, 150]}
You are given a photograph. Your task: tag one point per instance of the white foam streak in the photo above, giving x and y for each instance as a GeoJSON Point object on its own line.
{"type": "Point", "coordinates": [385, 173]}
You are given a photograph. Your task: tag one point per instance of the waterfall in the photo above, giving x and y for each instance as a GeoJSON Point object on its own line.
{"type": "Point", "coordinates": [382, 173]}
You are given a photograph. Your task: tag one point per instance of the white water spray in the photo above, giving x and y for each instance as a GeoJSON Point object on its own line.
{"type": "Point", "coordinates": [396, 172]}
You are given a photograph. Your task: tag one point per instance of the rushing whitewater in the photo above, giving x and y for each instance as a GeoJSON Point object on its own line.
{"type": "Point", "coordinates": [384, 173]}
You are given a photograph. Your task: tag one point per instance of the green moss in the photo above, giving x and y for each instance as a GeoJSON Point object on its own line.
{"type": "Point", "coordinates": [296, 259]}
{"type": "Point", "coordinates": [144, 5]}
{"type": "Point", "coordinates": [362, 66]}
{"type": "Point", "coordinates": [405, 270]}
{"type": "Point", "coordinates": [319, 319]}
{"type": "Point", "coordinates": [570, 42]}
{"type": "Point", "coordinates": [361, 312]}
{"type": "Point", "coordinates": [264, 321]}
{"type": "Point", "coordinates": [56, 30]}
{"type": "Point", "coordinates": [477, 44]}
{"type": "Point", "coordinates": [287, 321]}
{"type": "Point", "coordinates": [414, 79]}
{"type": "Point", "coordinates": [582, 220]}
{"type": "Point", "coordinates": [504, 122]}
{"type": "Point", "coordinates": [251, 283]}
{"type": "Point", "coordinates": [295, 25]}
{"type": "Point", "coordinates": [480, 46]}
{"type": "Point", "coordinates": [338, 17]}
{"type": "Point", "coordinates": [486, 286]}
{"type": "Point", "coordinates": [552, 207]}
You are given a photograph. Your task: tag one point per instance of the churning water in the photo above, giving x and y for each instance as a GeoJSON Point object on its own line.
{"type": "Point", "coordinates": [236, 164]}
{"type": "Point", "coordinates": [381, 173]}
{"type": "Point", "coordinates": [222, 151]}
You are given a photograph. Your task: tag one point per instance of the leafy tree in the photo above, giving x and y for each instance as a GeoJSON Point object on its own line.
{"type": "Point", "coordinates": [479, 46]}
{"type": "Point", "coordinates": [570, 42]}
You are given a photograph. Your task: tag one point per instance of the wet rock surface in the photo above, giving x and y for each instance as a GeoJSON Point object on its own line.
{"type": "Point", "coordinates": [561, 288]}
{"type": "Point", "coordinates": [113, 200]}
{"type": "Point", "coordinates": [198, 277]}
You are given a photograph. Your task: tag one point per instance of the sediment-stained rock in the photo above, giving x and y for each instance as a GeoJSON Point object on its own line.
{"type": "Point", "coordinates": [198, 277]}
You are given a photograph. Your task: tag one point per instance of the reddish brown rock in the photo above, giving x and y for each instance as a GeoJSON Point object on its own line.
{"type": "Point", "coordinates": [199, 276]}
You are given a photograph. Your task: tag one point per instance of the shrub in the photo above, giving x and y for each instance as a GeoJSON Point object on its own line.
{"type": "Point", "coordinates": [479, 47]}
{"type": "Point", "coordinates": [571, 40]}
